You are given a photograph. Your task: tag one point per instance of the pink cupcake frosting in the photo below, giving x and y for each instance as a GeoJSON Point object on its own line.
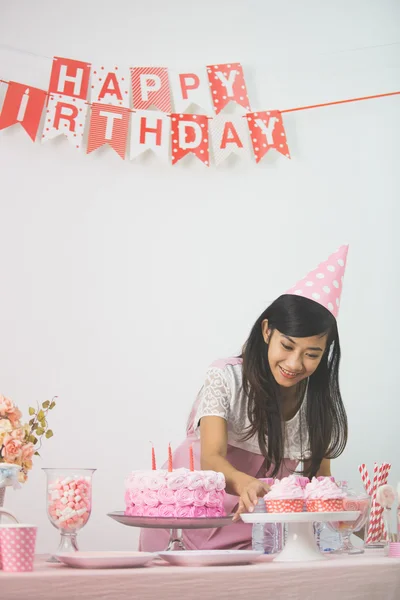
{"type": "Point", "coordinates": [286, 488]}
{"type": "Point", "coordinates": [323, 489]}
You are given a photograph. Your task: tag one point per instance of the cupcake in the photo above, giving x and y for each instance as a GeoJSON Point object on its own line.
{"type": "Point", "coordinates": [286, 495]}
{"type": "Point", "coordinates": [323, 495]}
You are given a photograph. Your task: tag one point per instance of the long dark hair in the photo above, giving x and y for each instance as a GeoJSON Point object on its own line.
{"type": "Point", "coordinates": [295, 316]}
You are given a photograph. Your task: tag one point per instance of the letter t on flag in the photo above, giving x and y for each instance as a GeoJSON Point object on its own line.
{"type": "Point", "coordinates": [108, 125]}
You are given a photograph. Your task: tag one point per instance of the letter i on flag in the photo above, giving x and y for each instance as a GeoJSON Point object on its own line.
{"type": "Point", "coordinates": [24, 105]}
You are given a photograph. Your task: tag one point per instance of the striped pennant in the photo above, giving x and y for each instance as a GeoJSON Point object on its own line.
{"type": "Point", "coordinates": [108, 125]}
{"type": "Point", "coordinates": [150, 87]}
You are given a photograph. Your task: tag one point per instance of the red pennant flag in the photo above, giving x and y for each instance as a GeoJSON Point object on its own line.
{"type": "Point", "coordinates": [267, 131]}
{"type": "Point", "coordinates": [69, 78]}
{"type": "Point", "coordinates": [150, 87]}
{"type": "Point", "coordinates": [227, 84]}
{"type": "Point", "coordinates": [24, 105]}
{"type": "Point", "coordinates": [108, 125]}
{"type": "Point", "coordinates": [189, 133]}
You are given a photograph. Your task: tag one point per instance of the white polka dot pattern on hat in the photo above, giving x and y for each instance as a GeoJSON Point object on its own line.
{"type": "Point", "coordinates": [324, 284]}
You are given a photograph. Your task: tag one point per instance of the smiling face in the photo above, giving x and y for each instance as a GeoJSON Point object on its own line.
{"type": "Point", "coordinates": [293, 359]}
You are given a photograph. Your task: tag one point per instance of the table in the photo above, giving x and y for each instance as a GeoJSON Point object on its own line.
{"type": "Point", "coordinates": [371, 576]}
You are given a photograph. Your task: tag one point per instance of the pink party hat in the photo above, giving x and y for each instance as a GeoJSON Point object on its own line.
{"type": "Point", "coordinates": [324, 284]}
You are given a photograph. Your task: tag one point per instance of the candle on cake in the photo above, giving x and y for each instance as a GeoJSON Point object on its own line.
{"type": "Point", "coordinates": [169, 458]}
{"type": "Point", "coordinates": [191, 458]}
{"type": "Point", "coordinates": [153, 458]}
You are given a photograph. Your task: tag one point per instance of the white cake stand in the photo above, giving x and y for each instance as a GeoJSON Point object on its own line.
{"type": "Point", "coordinates": [300, 544]}
{"type": "Point", "coordinates": [174, 525]}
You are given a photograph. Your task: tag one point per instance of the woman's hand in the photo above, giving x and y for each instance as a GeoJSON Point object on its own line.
{"type": "Point", "coordinates": [249, 495]}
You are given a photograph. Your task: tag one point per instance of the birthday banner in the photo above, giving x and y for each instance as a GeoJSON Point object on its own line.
{"type": "Point", "coordinates": [143, 108]}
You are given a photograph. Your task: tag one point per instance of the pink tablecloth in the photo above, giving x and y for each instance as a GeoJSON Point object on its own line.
{"type": "Point", "coordinates": [367, 577]}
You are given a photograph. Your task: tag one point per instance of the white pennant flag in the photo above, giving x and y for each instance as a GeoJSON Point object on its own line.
{"type": "Point", "coordinates": [150, 130]}
{"type": "Point", "coordinates": [65, 115]}
{"type": "Point", "coordinates": [110, 85]}
{"type": "Point", "coordinates": [230, 134]}
{"type": "Point", "coordinates": [191, 87]}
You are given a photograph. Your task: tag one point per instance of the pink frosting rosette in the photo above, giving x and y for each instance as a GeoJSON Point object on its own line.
{"type": "Point", "coordinates": [166, 510]}
{"type": "Point", "coordinates": [214, 512]}
{"type": "Point", "coordinates": [213, 499]}
{"type": "Point", "coordinates": [150, 511]}
{"type": "Point", "coordinates": [200, 497]}
{"type": "Point", "coordinates": [221, 483]}
{"type": "Point", "coordinates": [194, 480]}
{"type": "Point", "coordinates": [184, 512]}
{"type": "Point", "coordinates": [137, 497]}
{"type": "Point", "coordinates": [154, 480]}
{"type": "Point", "coordinates": [150, 498]}
{"type": "Point", "coordinates": [210, 480]}
{"type": "Point", "coordinates": [166, 495]}
{"type": "Point", "coordinates": [177, 479]}
{"type": "Point", "coordinates": [199, 511]}
{"type": "Point", "coordinates": [323, 489]}
{"type": "Point", "coordinates": [287, 488]}
{"type": "Point", "coordinates": [184, 497]}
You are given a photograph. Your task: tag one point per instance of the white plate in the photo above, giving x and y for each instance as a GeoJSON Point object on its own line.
{"type": "Point", "coordinates": [300, 517]}
{"type": "Point", "coordinates": [197, 558]}
{"type": "Point", "coordinates": [106, 560]}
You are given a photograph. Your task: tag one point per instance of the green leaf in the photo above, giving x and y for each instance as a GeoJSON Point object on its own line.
{"type": "Point", "coordinates": [46, 404]}
{"type": "Point", "coordinates": [31, 422]}
{"type": "Point", "coordinates": [36, 454]}
{"type": "Point", "coordinates": [43, 423]}
{"type": "Point", "coordinates": [40, 415]}
{"type": "Point", "coordinates": [32, 439]}
{"type": "Point", "coordinates": [49, 433]}
{"type": "Point", "coordinates": [39, 431]}
{"type": "Point", "coordinates": [52, 405]}
{"type": "Point", "coordinates": [31, 411]}
{"type": "Point", "coordinates": [35, 426]}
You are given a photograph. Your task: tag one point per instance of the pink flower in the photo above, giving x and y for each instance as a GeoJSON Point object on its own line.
{"type": "Point", "coordinates": [11, 448]}
{"type": "Point", "coordinates": [184, 512]}
{"type": "Point", "coordinates": [6, 406]}
{"type": "Point", "coordinates": [14, 415]}
{"type": "Point", "coordinates": [199, 511]}
{"type": "Point", "coordinates": [213, 500]}
{"type": "Point", "coordinates": [18, 434]}
{"type": "Point", "coordinates": [27, 452]}
{"type": "Point", "coordinates": [150, 498]}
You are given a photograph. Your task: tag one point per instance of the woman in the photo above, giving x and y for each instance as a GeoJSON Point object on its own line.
{"type": "Point", "coordinates": [274, 410]}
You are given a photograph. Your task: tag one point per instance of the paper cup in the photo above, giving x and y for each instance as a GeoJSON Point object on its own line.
{"type": "Point", "coordinates": [17, 547]}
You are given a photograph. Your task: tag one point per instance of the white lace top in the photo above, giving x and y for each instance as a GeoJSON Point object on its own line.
{"type": "Point", "coordinates": [222, 396]}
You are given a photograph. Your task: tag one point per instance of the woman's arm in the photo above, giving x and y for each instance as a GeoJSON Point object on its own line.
{"type": "Point", "coordinates": [214, 444]}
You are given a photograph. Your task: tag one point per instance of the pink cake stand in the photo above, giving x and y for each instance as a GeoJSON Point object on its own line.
{"type": "Point", "coordinates": [174, 525]}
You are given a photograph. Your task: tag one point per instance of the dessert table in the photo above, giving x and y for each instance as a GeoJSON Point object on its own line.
{"type": "Point", "coordinates": [370, 576]}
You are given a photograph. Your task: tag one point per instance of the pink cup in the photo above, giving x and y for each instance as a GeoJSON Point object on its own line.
{"type": "Point", "coordinates": [17, 547]}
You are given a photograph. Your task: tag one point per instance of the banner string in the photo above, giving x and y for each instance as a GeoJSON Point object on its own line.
{"type": "Point", "coordinates": [285, 110]}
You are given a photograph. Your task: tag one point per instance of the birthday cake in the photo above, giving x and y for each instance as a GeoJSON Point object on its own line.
{"type": "Point", "coordinates": [180, 493]}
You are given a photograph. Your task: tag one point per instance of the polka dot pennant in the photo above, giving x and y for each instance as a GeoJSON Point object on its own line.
{"type": "Point", "coordinates": [108, 125]}
{"type": "Point", "coordinates": [150, 87]}
{"type": "Point", "coordinates": [267, 131]}
{"type": "Point", "coordinates": [324, 284]}
{"type": "Point", "coordinates": [109, 85]}
{"type": "Point", "coordinates": [227, 84]}
{"type": "Point", "coordinates": [17, 548]}
{"type": "Point", "coordinates": [65, 115]}
{"type": "Point", "coordinates": [189, 133]}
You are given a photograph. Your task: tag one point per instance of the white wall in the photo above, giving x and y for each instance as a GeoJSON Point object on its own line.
{"type": "Point", "coordinates": [121, 281]}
